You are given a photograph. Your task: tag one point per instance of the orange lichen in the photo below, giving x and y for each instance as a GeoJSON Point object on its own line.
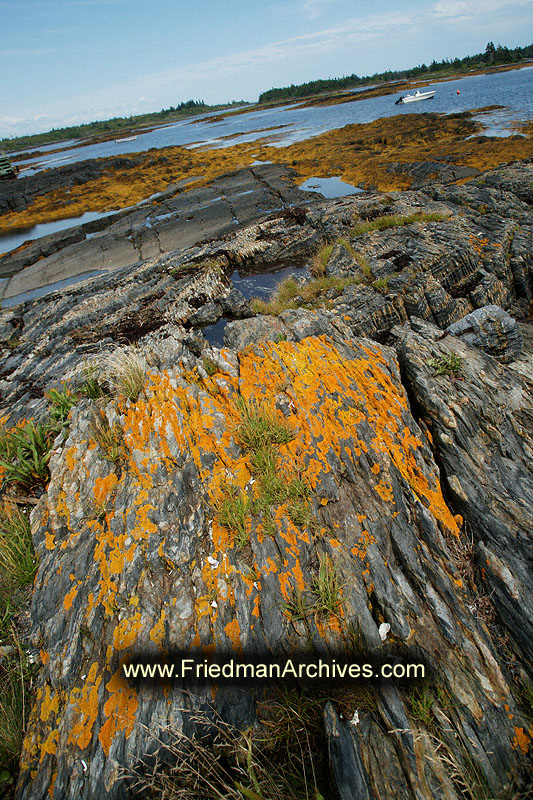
{"type": "Point", "coordinates": [126, 632]}
{"type": "Point", "coordinates": [120, 710]}
{"type": "Point", "coordinates": [69, 598]}
{"type": "Point", "coordinates": [103, 487]}
{"type": "Point", "coordinates": [157, 634]}
{"type": "Point", "coordinates": [521, 740]}
{"type": "Point", "coordinates": [233, 632]}
{"type": "Point", "coordinates": [84, 709]}
{"type": "Point", "coordinates": [49, 746]}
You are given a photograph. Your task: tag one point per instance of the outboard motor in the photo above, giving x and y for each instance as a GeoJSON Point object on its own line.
{"type": "Point", "coordinates": [398, 101]}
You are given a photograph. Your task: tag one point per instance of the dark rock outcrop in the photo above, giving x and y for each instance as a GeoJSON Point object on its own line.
{"type": "Point", "coordinates": [405, 485]}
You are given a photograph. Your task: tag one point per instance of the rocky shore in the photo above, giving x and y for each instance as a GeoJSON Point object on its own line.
{"type": "Point", "coordinates": [350, 476]}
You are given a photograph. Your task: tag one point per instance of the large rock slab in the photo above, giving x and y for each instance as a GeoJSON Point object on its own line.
{"type": "Point", "coordinates": [480, 416]}
{"type": "Point", "coordinates": [137, 560]}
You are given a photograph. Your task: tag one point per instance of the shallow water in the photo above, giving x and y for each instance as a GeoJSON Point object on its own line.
{"type": "Point", "coordinates": [254, 284]}
{"type": "Point", "coordinates": [51, 287]}
{"type": "Point", "coordinates": [511, 89]}
{"type": "Point", "coordinates": [329, 187]}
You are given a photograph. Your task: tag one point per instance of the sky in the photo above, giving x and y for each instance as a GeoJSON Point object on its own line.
{"type": "Point", "coordinates": [64, 62]}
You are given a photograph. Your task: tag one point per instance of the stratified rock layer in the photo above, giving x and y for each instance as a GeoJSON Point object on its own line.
{"type": "Point", "coordinates": [135, 560]}
{"type": "Point", "coordinates": [416, 494]}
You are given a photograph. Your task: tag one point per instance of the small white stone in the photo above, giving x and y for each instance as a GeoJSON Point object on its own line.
{"type": "Point", "coordinates": [355, 719]}
{"type": "Point", "coordinates": [214, 604]}
{"type": "Point", "coordinates": [212, 562]}
{"type": "Point", "coordinates": [384, 629]}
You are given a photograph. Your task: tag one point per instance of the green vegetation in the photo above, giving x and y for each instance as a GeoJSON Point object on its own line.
{"type": "Point", "coordinates": [109, 439]}
{"type": "Point", "coordinates": [269, 762]}
{"type": "Point", "coordinates": [15, 675]}
{"type": "Point", "coordinates": [125, 373]}
{"type": "Point", "coordinates": [106, 128]}
{"type": "Point", "coordinates": [233, 513]}
{"type": "Point", "coordinates": [321, 260]}
{"type": "Point", "coordinates": [260, 427]}
{"type": "Point", "coordinates": [451, 365]}
{"type": "Point", "coordinates": [290, 294]}
{"type": "Point", "coordinates": [60, 404]}
{"type": "Point", "coordinates": [17, 557]}
{"type": "Point", "coordinates": [327, 588]}
{"type": "Point", "coordinates": [91, 387]}
{"type": "Point", "coordinates": [24, 454]}
{"type": "Point", "coordinates": [394, 221]}
{"type": "Point", "coordinates": [260, 432]}
{"type": "Point", "coordinates": [492, 56]}
{"type": "Point", "coordinates": [209, 366]}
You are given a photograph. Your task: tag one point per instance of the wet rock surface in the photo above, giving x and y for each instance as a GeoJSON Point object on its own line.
{"type": "Point", "coordinates": [176, 218]}
{"type": "Point", "coordinates": [404, 471]}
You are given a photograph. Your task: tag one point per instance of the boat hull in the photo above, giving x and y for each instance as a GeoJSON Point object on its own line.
{"type": "Point", "coordinates": [415, 98]}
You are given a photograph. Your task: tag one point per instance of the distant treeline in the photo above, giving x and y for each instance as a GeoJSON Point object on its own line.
{"type": "Point", "coordinates": [102, 127]}
{"type": "Point", "coordinates": [493, 55]}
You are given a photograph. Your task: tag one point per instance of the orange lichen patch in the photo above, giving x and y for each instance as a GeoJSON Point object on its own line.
{"type": "Point", "coordinates": [233, 632]}
{"type": "Point", "coordinates": [62, 507]}
{"type": "Point", "coordinates": [257, 605]}
{"type": "Point", "coordinates": [521, 740]}
{"type": "Point", "coordinates": [71, 457]}
{"type": "Point", "coordinates": [120, 710]}
{"type": "Point", "coordinates": [384, 490]}
{"type": "Point", "coordinates": [103, 487]}
{"type": "Point", "coordinates": [48, 705]}
{"type": "Point", "coordinates": [126, 632]}
{"type": "Point", "coordinates": [49, 540]}
{"type": "Point", "coordinates": [363, 543]}
{"type": "Point", "coordinates": [69, 597]}
{"type": "Point", "coordinates": [84, 709]}
{"type": "Point", "coordinates": [49, 747]}
{"type": "Point", "coordinates": [157, 634]}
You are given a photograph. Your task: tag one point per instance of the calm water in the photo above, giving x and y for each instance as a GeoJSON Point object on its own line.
{"type": "Point", "coordinates": [511, 89]}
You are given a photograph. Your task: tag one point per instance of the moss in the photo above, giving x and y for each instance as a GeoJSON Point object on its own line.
{"type": "Point", "coordinates": [394, 221]}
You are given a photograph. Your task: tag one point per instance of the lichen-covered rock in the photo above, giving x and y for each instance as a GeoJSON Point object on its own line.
{"type": "Point", "coordinates": [163, 530]}
{"type": "Point", "coordinates": [138, 558]}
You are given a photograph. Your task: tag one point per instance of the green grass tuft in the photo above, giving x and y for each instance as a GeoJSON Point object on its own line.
{"type": "Point", "coordinates": [24, 454]}
{"type": "Point", "coordinates": [395, 221]}
{"type": "Point", "coordinates": [327, 588]}
{"type": "Point", "coordinates": [233, 513]}
{"type": "Point", "coordinates": [17, 556]}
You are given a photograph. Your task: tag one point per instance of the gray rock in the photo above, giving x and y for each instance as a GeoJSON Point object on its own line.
{"type": "Point", "coordinates": [493, 330]}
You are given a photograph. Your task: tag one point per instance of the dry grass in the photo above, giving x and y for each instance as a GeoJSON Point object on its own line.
{"type": "Point", "coordinates": [220, 762]}
{"type": "Point", "coordinates": [124, 371]}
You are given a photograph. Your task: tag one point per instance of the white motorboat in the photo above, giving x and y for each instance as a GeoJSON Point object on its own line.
{"type": "Point", "coordinates": [413, 98]}
{"type": "Point", "coordinates": [126, 139]}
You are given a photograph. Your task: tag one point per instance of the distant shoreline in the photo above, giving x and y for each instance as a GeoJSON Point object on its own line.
{"type": "Point", "coordinates": [146, 122]}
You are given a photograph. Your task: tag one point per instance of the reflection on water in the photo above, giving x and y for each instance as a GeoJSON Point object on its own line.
{"type": "Point", "coordinates": [329, 187]}
{"type": "Point", "coordinates": [12, 240]}
{"type": "Point", "coordinates": [256, 284]}
{"type": "Point", "coordinates": [51, 287]}
{"type": "Point", "coordinates": [510, 89]}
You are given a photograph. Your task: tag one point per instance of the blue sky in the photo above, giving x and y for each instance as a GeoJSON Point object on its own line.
{"type": "Point", "coordinates": [71, 61]}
